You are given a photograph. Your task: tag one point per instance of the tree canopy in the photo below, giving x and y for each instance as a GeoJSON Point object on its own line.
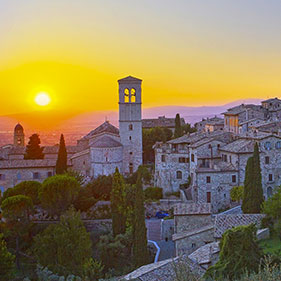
{"type": "Point", "coordinates": [178, 128]}
{"type": "Point", "coordinates": [253, 192]}
{"type": "Point", "coordinates": [58, 193]}
{"type": "Point", "coordinates": [6, 261]}
{"type": "Point", "coordinates": [64, 247]}
{"type": "Point", "coordinates": [33, 149]}
{"type": "Point", "coordinates": [61, 165]}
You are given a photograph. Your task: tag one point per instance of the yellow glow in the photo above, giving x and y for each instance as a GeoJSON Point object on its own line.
{"type": "Point", "coordinates": [42, 99]}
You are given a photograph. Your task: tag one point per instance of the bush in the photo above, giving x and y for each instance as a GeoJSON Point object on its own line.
{"type": "Point", "coordinates": [6, 261]}
{"type": "Point", "coordinates": [174, 193]}
{"type": "Point", "coordinates": [153, 193]}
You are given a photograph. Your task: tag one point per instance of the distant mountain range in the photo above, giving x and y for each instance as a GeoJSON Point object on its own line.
{"type": "Point", "coordinates": [51, 123]}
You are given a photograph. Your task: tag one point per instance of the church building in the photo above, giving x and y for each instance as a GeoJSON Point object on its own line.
{"type": "Point", "coordinates": [106, 148]}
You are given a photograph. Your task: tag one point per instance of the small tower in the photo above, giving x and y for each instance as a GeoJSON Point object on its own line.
{"type": "Point", "coordinates": [130, 124]}
{"type": "Point", "coordinates": [19, 135]}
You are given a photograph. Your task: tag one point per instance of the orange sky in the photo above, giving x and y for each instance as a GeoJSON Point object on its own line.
{"type": "Point", "coordinates": [186, 52]}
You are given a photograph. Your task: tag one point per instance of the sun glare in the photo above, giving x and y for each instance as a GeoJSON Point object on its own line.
{"type": "Point", "coordinates": [42, 99]}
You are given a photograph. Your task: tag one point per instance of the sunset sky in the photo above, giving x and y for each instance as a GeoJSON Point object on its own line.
{"type": "Point", "coordinates": [187, 52]}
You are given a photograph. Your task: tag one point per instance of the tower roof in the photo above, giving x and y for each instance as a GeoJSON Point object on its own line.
{"type": "Point", "coordinates": [129, 80]}
{"type": "Point", "coordinates": [19, 127]}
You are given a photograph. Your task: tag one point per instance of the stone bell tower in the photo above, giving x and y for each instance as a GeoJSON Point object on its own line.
{"type": "Point", "coordinates": [18, 135]}
{"type": "Point", "coordinates": [130, 124]}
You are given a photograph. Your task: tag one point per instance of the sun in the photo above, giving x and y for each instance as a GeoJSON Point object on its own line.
{"type": "Point", "coordinates": [42, 99]}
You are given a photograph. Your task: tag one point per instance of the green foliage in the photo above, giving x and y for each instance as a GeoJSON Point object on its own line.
{"type": "Point", "coordinates": [187, 184]}
{"type": "Point", "coordinates": [183, 272]}
{"type": "Point", "coordinates": [78, 176]}
{"type": "Point", "coordinates": [150, 137]}
{"type": "Point", "coordinates": [6, 261]}
{"type": "Point", "coordinates": [253, 192]}
{"type": "Point", "coordinates": [236, 193]}
{"type": "Point", "coordinates": [239, 253]}
{"type": "Point", "coordinates": [119, 206]}
{"type": "Point", "coordinates": [178, 128]}
{"type": "Point", "coordinates": [145, 174]}
{"type": "Point", "coordinates": [85, 200]}
{"type": "Point", "coordinates": [33, 149]}
{"type": "Point", "coordinates": [61, 165]}
{"type": "Point", "coordinates": [27, 188]}
{"type": "Point", "coordinates": [140, 251]}
{"type": "Point", "coordinates": [172, 193]}
{"type": "Point", "coordinates": [115, 252]}
{"type": "Point", "coordinates": [101, 187]}
{"type": "Point", "coordinates": [64, 247]}
{"type": "Point", "coordinates": [58, 193]}
{"type": "Point", "coordinates": [153, 193]}
{"type": "Point", "coordinates": [17, 208]}
{"type": "Point", "coordinates": [93, 270]}
{"type": "Point", "coordinates": [188, 129]}
{"type": "Point", "coordinates": [272, 207]}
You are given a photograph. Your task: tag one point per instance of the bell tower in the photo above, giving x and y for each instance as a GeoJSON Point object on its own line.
{"type": "Point", "coordinates": [19, 135]}
{"type": "Point", "coordinates": [130, 124]}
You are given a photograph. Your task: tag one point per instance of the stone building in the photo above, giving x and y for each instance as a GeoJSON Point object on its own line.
{"type": "Point", "coordinates": [201, 125]}
{"type": "Point", "coordinates": [107, 147]}
{"type": "Point", "coordinates": [161, 122]}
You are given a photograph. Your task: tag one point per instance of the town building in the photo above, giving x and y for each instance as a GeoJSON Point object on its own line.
{"type": "Point", "coordinates": [161, 122]}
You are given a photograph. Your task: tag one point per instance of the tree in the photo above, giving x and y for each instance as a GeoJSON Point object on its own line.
{"type": "Point", "coordinates": [61, 165]}
{"type": "Point", "coordinates": [6, 261]}
{"type": "Point", "coordinates": [28, 188]}
{"type": "Point", "coordinates": [140, 251]}
{"type": "Point", "coordinates": [58, 193]}
{"type": "Point", "coordinates": [239, 252]}
{"type": "Point", "coordinates": [236, 193]}
{"type": "Point", "coordinates": [253, 192]}
{"type": "Point", "coordinates": [16, 211]}
{"type": "Point", "coordinates": [118, 204]}
{"type": "Point", "coordinates": [64, 247]}
{"type": "Point", "coordinates": [33, 149]}
{"type": "Point", "coordinates": [178, 128]}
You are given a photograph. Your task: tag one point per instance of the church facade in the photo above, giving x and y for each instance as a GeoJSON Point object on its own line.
{"type": "Point", "coordinates": [106, 148]}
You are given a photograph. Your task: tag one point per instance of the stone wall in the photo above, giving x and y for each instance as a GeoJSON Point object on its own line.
{"type": "Point", "coordinates": [167, 229]}
{"type": "Point", "coordinates": [165, 205]}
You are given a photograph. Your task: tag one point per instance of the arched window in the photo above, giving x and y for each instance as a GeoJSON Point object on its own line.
{"type": "Point", "coordinates": [267, 145]}
{"type": "Point", "coordinates": [131, 127]}
{"type": "Point", "coordinates": [133, 95]}
{"type": "Point", "coordinates": [126, 95]}
{"type": "Point", "coordinates": [131, 168]}
{"type": "Point", "coordinates": [179, 175]}
{"type": "Point", "coordinates": [18, 176]}
{"type": "Point", "coordinates": [269, 191]}
{"type": "Point", "coordinates": [278, 145]}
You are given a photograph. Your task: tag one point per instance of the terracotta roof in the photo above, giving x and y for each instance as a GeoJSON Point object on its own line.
{"type": "Point", "coordinates": [106, 127]}
{"type": "Point", "coordinates": [105, 141]}
{"type": "Point", "coordinates": [225, 222]}
{"type": "Point", "coordinates": [178, 236]}
{"type": "Point", "coordinates": [192, 209]}
{"type": "Point", "coordinates": [204, 254]}
{"type": "Point", "coordinates": [130, 80]}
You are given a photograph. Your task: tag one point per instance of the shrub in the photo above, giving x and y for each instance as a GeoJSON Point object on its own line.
{"type": "Point", "coordinates": [153, 193]}
{"type": "Point", "coordinates": [174, 193]}
{"type": "Point", "coordinates": [6, 261]}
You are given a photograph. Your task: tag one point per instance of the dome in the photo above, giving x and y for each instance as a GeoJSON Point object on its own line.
{"type": "Point", "coordinates": [19, 127]}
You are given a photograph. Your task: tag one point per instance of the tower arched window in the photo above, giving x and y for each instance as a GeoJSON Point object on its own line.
{"type": "Point", "coordinates": [179, 175]}
{"type": "Point", "coordinates": [126, 95]}
{"type": "Point", "coordinates": [133, 95]}
{"type": "Point", "coordinates": [131, 168]}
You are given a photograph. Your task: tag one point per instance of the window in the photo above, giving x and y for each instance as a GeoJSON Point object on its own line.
{"type": "Point", "coordinates": [183, 160]}
{"type": "Point", "coordinates": [126, 95]}
{"type": "Point", "coordinates": [192, 157]}
{"type": "Point", "coordinates": [269, 191]}
{"type": "Point", "coordinates": [233, 178]}
{"type": "Point", "coordinates": [133, 95]}
{"type": "Point", "coordinates": [131, 168]}
{"type": "Point", "coordinates": [208, 197]}
{"type": "Point", "coordinates": [36, 176]}
{"type": "Point", "coordinates": [179, 175]}
{"type": "Point", "coordinates": [270, 177]}
{"type": "Point", "coordinates": [130, 127]}
{"type": "Point", "coordinates": [131, 153]}
{"type": "Point", "coordinates": [130, 138]}
{"type": "Point", "coordinates": [193, 245]}
{"type": "Point", "coordinates": [218, 146]}
{"type": "Point", "coordinates": [266, 159]}
{"type": "Point", "coordinates": [163, 158]}
{"type": "Point", "coordinates": [208, 179]}
{"type": "Point", "coordinates": [267, 145]}
{"type": "Point", "coordinates": [2, 177]}
{"type": "Point", "coordinates": [18, 176]}
{"type": "Point", "coordinates": [229, 158]}
{"type": "Point", "coordinates": [278, 145]}
{"type": "Point", "coordinates": [49, 174]}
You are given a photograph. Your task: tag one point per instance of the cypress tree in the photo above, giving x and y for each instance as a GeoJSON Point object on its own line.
{"type": "Point", "coordinates": [178, 129]}
{"type": "Point", "coordinates": [140, 251]}
{"type": "Point", "coordinates": [61, 165]}
{"type": "Point", "coordinates": [118, 204]}
{"type": "Point", "coordinates": [253, 192]}
{"type": "Point", "coordinates": [33, 149]}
